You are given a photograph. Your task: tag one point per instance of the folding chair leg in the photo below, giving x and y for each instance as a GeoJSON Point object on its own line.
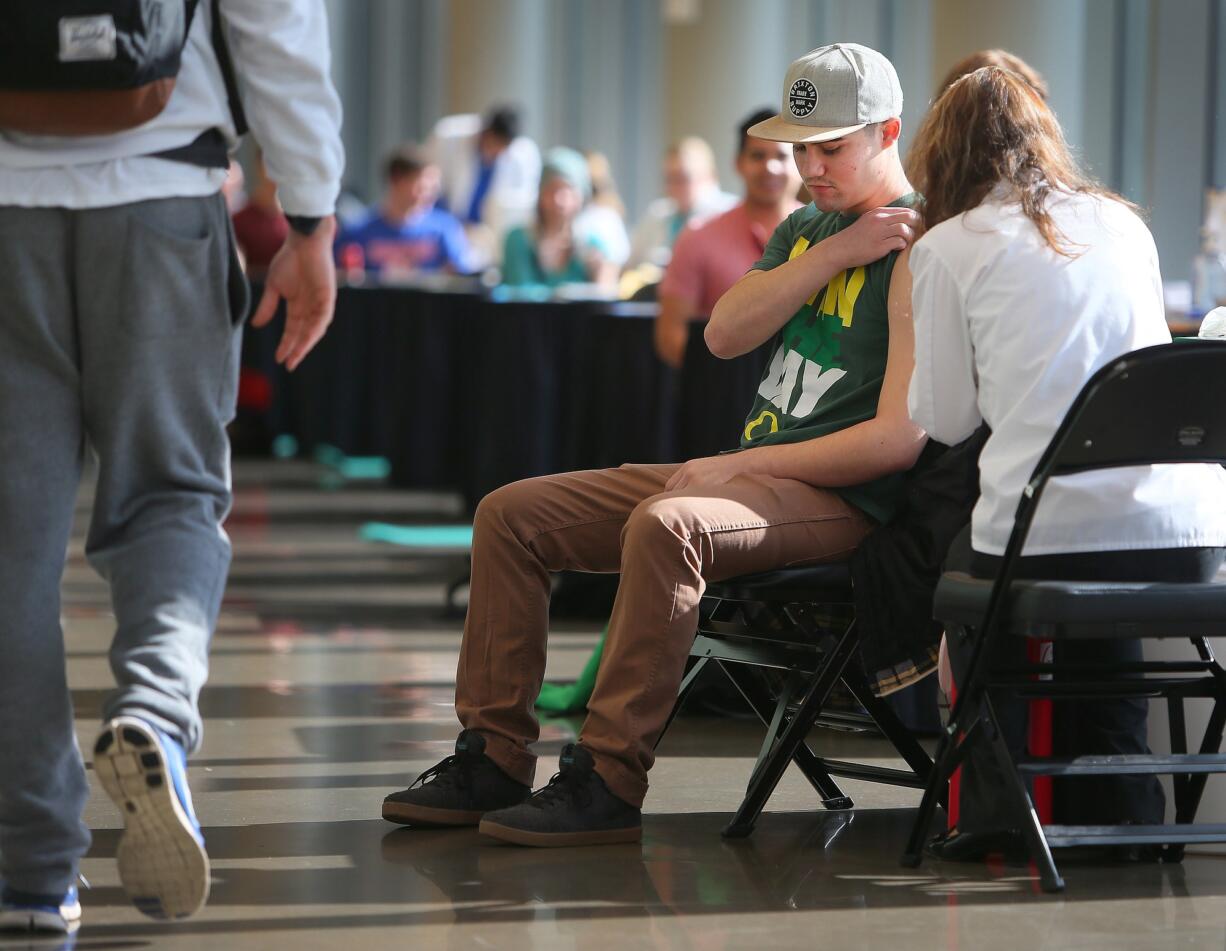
{"type": "Point", "coordinates": [1040, 851]}
{"type": "Point", "coordinates": [1212, 743]}
{"type": "Point", "coordinates": [774, 726]}
{"type": "Point", "coordinates": [964, 720]}
{"type": "Point", "coordinates": [806, 760]}
{"type": "Point", "coordinates": [887, 720]}
{"type": "Point", "coordinates": [1177, 723]}
{"type": "Point", "coordinates": [793, 737]}
{"type": "Point", "coordinates": [949, 755]}
{"type": "Point", "coordinates": [682, 693]}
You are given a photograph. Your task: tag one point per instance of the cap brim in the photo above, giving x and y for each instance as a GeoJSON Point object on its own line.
{"type": "Point", "coordinates": [776, 129]}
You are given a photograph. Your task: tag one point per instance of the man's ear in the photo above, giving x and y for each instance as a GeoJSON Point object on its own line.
{"type": "Point", "coordinates": [891, 129]}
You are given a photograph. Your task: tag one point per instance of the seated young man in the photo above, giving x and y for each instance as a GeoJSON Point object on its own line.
{"type": "Point", "coordinates": [817, 467]}
{"type": "Point", "coordinates": [406, 233]}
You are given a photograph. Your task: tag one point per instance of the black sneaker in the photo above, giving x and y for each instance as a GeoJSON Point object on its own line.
{"type": "Point", "coordinates": [956, 846]}
{"type": "Point", "coordinates": [458, 791]}
{"type": "Point", "coordinates": [576, 808]}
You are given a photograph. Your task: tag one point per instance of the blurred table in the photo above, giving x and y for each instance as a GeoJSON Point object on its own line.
{"type": "Point", "coordinates": [463, 392]}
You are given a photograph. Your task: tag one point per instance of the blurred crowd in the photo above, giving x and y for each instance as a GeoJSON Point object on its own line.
{"type": "Point", "coordinates": [479, 199]}
{"type": "Point", "coordinates": [480, 205]}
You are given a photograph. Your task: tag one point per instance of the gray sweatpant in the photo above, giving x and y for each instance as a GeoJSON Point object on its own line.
{"type": "Point", "coordinates": [118, 332]}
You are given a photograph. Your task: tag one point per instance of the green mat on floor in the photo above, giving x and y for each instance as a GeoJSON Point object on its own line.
{"type": "Point", "coordinates": [554, 698]}
{"type": "Point", "coordinates": [352, 467]}
{"type": "Point", "coordinates": [419, 536]}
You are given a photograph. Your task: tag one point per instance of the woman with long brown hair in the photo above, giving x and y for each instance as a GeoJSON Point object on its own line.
{"type": "Point", "coordinates": [1029, 278]}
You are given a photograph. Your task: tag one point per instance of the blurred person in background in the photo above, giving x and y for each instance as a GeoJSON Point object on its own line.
{"type": "Point", "coordinates": [553, 251]}
{"type": "Point", "coordinates": [259, 225]}
{"type": "Point", "coordinates": [605, 214]}
{"type": "Point", "coordinates": [260, 229]}
{"type": "Point", "coordinates": [405, 233]}
{"type": "Point", "coordinates": [490, 174]}
{"type": "Point", "coordinates": [692, 194]}
{"type": "Point", "coordinates": [712, 256]}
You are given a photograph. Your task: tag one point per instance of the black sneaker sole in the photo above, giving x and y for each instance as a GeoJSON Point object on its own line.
{"type": "Point", "coordinates": [407, 813]}
{"type": "Point", "coordinates": [560, 840]}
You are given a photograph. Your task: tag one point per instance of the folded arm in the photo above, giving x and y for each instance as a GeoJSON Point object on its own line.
{"type": "Point", "coordinates": [889, 442]}
{"type": "Point", "coordinates": [761, 302]}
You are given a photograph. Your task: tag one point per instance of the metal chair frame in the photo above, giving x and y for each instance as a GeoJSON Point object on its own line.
{"type": "Point", "coordinates": [1153, 406]}
{"type": "Point", "coordinates": [778, 621]}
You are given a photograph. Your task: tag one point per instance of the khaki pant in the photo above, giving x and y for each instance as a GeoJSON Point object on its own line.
{"type": "Point", "coordinates": [666, 545]}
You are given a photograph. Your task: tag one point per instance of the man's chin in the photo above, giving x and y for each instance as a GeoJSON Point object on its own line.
{"type": "Point", "coordinates": [828, 202]}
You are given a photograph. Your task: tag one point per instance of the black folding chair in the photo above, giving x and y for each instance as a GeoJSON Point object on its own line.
{"type": "Point", "coordinates": [799, 623]}
{"type": "Point", "coordinates": [1162, 404]}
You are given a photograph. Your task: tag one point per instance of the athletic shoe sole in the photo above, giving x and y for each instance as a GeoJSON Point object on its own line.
{"type": "Point", "coordinates": [162, 866]}
{"type": "Point", "coordinates": [407, 813]}
{"type": "Point", "coordinates": [559, 840]}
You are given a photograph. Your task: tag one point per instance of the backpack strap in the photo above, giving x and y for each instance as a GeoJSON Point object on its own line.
{"type": "Point", "coordinates": [222, 48]}
{"type": "Point", "coordinates": [208, 149]}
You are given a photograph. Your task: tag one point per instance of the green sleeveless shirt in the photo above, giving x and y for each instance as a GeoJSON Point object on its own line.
{"type": "Point", "coordinates": [829, 359]}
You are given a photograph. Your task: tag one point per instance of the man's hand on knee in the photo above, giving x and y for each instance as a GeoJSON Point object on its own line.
{"type": "Point", "coordinates": [710, 470]}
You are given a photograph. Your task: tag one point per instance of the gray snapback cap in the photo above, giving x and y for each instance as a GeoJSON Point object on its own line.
{"type": "Point", "coordinates": [831, 92]}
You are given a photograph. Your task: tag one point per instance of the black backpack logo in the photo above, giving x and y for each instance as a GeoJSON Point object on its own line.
{"type": "Point", "coordinates": [89, 67]}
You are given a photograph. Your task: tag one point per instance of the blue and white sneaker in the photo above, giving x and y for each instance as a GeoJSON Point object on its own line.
{"type": "Point", "coordinates": [25, 911]}
{"type": "Point", "coordinates": [162, 862]}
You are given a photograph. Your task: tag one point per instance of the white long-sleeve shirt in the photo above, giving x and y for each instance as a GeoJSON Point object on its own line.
{"type": "Point", "coordinates": [281, 56]}
{"type": "Point", "coordinates": [1008, 332]}
{"type": "Point", "coordinates": [511, 198]}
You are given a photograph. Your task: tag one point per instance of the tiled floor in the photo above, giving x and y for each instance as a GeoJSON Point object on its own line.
{"type": "Point", "coordinates": [332, 685]}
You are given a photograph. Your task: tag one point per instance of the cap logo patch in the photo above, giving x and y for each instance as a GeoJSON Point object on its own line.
{"type": "Point", "coordinates": [802, 98]}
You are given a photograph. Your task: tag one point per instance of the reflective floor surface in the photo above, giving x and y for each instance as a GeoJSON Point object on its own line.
{"type": "Point", "coordinates": [332, 685]}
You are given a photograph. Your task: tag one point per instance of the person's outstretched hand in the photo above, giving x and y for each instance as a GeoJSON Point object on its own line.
{"type": "Point", "coordinates": [303, 273]}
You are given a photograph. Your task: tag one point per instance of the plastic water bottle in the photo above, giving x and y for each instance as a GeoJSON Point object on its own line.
{"type": "Point", "coordinates": [1214, 324]}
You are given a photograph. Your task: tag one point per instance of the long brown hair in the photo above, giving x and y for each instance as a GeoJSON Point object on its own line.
{"type": "Point", "coordinates": [989, 127]}
{"type": "Point", "coordinates": [995, 57]}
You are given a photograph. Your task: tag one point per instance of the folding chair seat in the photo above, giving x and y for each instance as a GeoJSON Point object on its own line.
{"type": "Point", "coordinates": [800, 624]}
{"type": "Point", "coordinates": [1158, 405]}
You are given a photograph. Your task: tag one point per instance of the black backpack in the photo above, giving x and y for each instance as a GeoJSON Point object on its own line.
{"type": "Point", "coordinates": [93, 67]}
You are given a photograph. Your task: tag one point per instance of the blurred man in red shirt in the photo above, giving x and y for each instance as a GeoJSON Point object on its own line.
{"type": "Point", "coordinates": [710, 257]}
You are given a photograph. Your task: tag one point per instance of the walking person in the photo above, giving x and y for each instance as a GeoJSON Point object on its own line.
{"type": "Point", "coordinates": [122, 306]}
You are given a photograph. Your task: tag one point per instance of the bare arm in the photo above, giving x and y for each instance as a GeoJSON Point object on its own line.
{"type": "Point", "coordinates": [761, 302]}
{"type": "Point", "coordinates": [889, 442]}
{"type": "Point", "coordinates": [672, 329]}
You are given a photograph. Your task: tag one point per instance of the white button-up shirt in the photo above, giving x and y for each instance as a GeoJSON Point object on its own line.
{"type": "Point", "coordinates": [1007, 332]}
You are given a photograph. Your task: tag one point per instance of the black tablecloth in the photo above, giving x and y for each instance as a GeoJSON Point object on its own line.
{"type": "Point", "coordinates": [463, 392]}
